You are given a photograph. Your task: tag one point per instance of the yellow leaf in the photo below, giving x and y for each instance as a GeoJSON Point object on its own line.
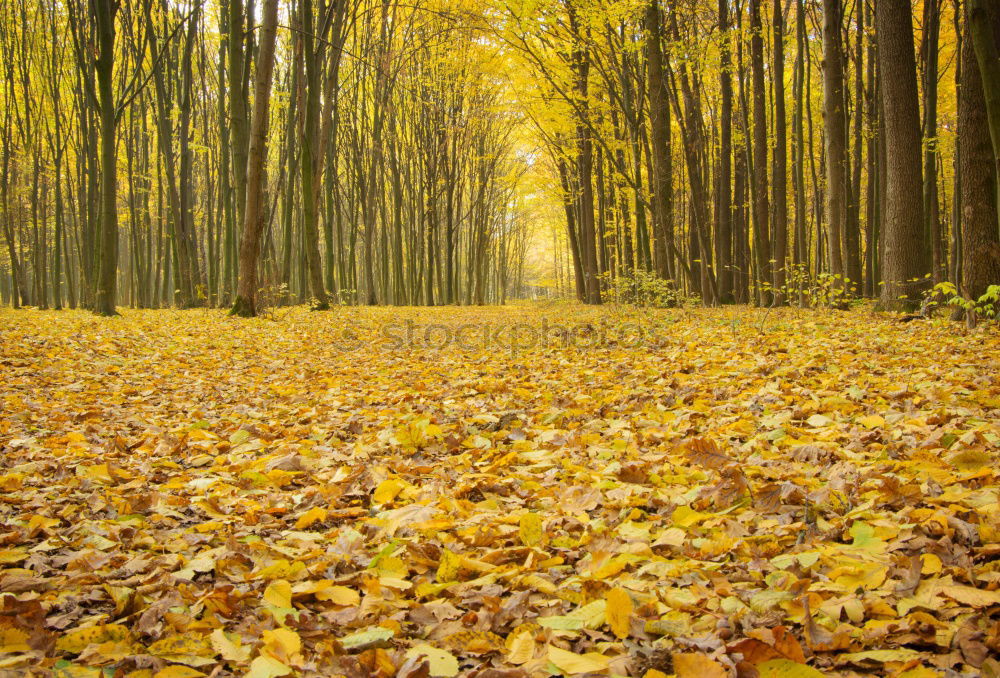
{"type": "Point", "coordinates": [316, 514]}
{"type": "Point", "coordinates": [697, 665]}
{"type": "Point", "coordinates": [673, 536]}
{"type": "Point", "coordinates": [193, 649]}
{"type": "Point", "coordinates": [278, 593]}
{"type": "Point", "coordinates": [653, 673]}
{"type": "Point", "coordinates": [99, 473]}
{"type": "Point", "coordinates": [871, 421]}
{"type": "Point", "coordinates": [41, 522]}
{"type": "Point", "coordinates": [267, 667]}
{"type": "Point", "coordinates": [229, 649]}
{"type": "Point", "coordinates": [449, 566]}
{"type": "Point", "coordinates": [387, 490]}
{"type": "Point", "coordinates": [612, 567]}
{"type": "Point", "coordinates": [685, 516]}
{"type": "Point", "coordinates": [339, 595]}
{"type": "Point", "coordinates": [930, 564]}
{"type": "Point", "coordinates": [77, 641]}
{"type": "Point", "coordinates": [442, 662]}
{"type": "Point", "coordinates": [13, 640]}
{"type": "Point", "coordinates": [11, 556]}
{"type": "Point", "coordinates": [571, 662]}
{"type": "Point", "coordinates": [521, 648]}
{"type": "Point", "coordinates": [619, 612]}
{"type": "Point", "coordinates": [177, 671]}
{"type": "Point", "coordinates": [970, 595]}
{"type": "Point", "coordinates": [786, 668]}
{"type": "Point", "coordinates": [531, 529]}
{"type": "Point", "coordinates": [77, 671]}
{"type": "Point", "coordinates": [282, 644]}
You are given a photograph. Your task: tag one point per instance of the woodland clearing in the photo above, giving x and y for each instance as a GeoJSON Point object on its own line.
{"type": "Point", "coordinates": [703, 492]}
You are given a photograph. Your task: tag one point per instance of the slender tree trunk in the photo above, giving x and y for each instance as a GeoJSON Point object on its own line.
{"type": "Point", "coordinates": [835, 118]}
{"type": "Point", "coordinates": [852, 225]}
{"type": "Point", "coordinates": [723, 214]}
{"type": "Point", "coordinates": [310, 160]}
{"type": "Point", "coordinates": [253, 227]}
{"type": "Point", "coordinates": [932, 221]}
{"type": "Point", "coordinates": [106, 293]}
{"type": "Point", "coordinates": [659, 122]}
{"type": "Point", "coordinates": [758, 195]}
{"type": "Point", "coordinates": [779, 180]}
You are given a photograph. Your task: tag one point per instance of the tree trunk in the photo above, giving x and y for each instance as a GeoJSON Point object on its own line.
{"type": "Point", "coordinates": [904, 260]}
{"type": "Point", "coordinates": [835, 118]}
{"type": "Point", "coordinates": [723, 203]}
{"type": "Point", "coordinates": [310, 159]}
{"type": "Point", "coordinates": [779, 180]}
{"type": "Point", "coordinates": [982, 29]}
{"type": "Point", "coordinates": [758, 196]}
{"type": "Point", "coordinates": [106, 293]}
{"type": "Point", "coordinates": [932, 221]}
{"type": "Point", "coordinates": [978, 197]}
{"type": "Point", "coordinates": [659, 121]}
{"type": "Point", "coordinates": [851, 243]}
{"type": "Point", "coordinates": [253, 226]}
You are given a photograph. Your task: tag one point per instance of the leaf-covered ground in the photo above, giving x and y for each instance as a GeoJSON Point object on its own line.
{"type": "Point", "coordinates": [555, 490]}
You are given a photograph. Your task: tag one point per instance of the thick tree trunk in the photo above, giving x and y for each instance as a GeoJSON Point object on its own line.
{"type": "Point", "coordinates": [978, 189]}
{"type": "Point", "coordinates": [904, 260]}
{"type": "Point", "coordinates": [982, 30]}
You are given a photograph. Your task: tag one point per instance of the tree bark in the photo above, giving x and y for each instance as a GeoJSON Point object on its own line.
{"type": "Point", "coordinates": [659, 119]}
{"type": "Point", "coordinates": [253, 226]}
{"type": "Point", "coordinates": [904, 260]}
{"type": "Point", "coordinates": [978, 188]}
{"type": "Point", "coordinates": [723, 215]}
{"type": "Point", "coordinates": [758, 193]}
{"type": "Point", "coordinates": [105, 297]}
{"type": "Point", "coordinates": [835, 127]}
{"type": "Point", "coordinates": [779, 175]}
{"type": "Point", "coordinates": [984, 39]}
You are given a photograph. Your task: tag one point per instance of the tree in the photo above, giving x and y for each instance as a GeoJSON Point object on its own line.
{"type": "Point", "coordinates": [779, 181]}
{"type": "Point", "coordinates": [978, 189]}
{"type": "Point", "coordinates": [723, 210]}
{"type": "Point", "coordinates": [253, 224]}
{"type": "Point", "coordinates": [835, 128]}
{"type": "Point", "coordinates": [659, 118]}
{"type": "Point", "coordinates": [984, 40]}
{"type": "Point", "coordinates": [904, 259]}
{"type": "Point", "coordinates": [758, 193]}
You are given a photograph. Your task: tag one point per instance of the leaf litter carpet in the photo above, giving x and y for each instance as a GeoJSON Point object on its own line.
{"type": "Point", "coordinates": [502, 493]}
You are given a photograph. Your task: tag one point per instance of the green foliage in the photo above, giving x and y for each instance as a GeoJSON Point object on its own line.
{"type": "Point", "coordinates": [825, 290]}
{"type": "Point", "coordinates": [644, 288]}
{"type": "Point", "coordinates": [986, 305]}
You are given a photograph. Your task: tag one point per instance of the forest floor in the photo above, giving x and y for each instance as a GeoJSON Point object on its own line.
{"type": "Point", "coordinates": [527, 491]}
